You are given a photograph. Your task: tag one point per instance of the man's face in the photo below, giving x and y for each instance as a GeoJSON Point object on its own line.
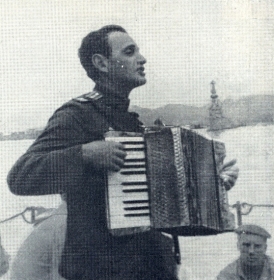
{"type": "Point", "coordinates": [125, 64]}
{"type": "Point", "coordinates": [252, 249]}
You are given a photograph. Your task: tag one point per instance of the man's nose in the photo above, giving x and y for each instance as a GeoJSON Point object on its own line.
{"type": "Point", "coordinates": [251, 249]}
{"type": "Point", "coordinates": [141, 59]}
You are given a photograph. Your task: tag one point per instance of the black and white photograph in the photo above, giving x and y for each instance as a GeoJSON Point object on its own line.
{"type": "Point", "coordinates": [136, 140]}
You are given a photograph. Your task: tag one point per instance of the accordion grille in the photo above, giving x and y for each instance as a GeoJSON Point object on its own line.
{"type": "Point", "coordinates": [168, 205]}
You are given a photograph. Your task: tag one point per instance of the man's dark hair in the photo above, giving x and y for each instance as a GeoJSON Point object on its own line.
{"type": "Point", "coordinates": [96, 42]}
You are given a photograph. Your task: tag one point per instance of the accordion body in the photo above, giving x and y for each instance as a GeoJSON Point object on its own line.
{"type": "Point", "coordinates": [169, 182]}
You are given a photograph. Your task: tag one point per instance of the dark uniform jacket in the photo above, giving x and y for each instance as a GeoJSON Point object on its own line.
{"type": "Point", "coordinates": [234, 271]}
{"type": "Point", "coordinates": [54, 164]}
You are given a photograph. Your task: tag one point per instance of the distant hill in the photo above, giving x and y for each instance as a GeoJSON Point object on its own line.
{"type": "Point", "coordinates": [250, 109]}
{"type": "Point", "coordinates": [243, 111]}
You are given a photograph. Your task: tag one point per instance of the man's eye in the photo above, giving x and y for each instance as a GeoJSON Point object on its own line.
{"type": "Point", "coordinates": [129, 51]}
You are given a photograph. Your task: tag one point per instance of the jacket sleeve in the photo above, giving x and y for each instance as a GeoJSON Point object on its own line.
{"type": "Point", "coordinates": [53, 164]}
{"type": "Point", "coordinates": [225, 275]}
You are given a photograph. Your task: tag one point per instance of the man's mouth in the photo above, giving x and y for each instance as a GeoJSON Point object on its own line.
{"type": "Point", "coordinates": [252, 259]}
{"type": "Point", "coordinates": [141, 71]}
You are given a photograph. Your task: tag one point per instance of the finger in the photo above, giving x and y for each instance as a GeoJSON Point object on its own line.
{"type": "Point", "coordinates": [228, 179]}
{"type": "Point", "coordinates": [230, 173]}
{"type": "Point", "coordinates": [228, 186]}
{"type": "Point", "coordinates": [118, 161]}
{"type": "Point", "coordinates": [231, 168]}
{"type": "Point", "coordinates": [114, 167]}
{"type": "Point", "coordinates": [119, 146]}
{"type": "Point", "coordinates": [115, 145]}
{"type": "Point", "coordinates": [120, 153]}
{"type": "Point", "coordinates": [228, 182]}
{"type": "Point", "coordinates": [229, 164]}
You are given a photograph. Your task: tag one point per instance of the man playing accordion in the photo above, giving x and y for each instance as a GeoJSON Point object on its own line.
{"type": "Point", "coordinates": [71, 157]}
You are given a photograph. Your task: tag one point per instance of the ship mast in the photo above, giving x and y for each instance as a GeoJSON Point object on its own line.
{"type": "Point", "coordinates": [215, 110]}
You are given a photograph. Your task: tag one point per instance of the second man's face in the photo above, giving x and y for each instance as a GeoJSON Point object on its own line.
{"type": "Point", "coordinates": [126, 64]}
{"type": "Point", "coordinates": [252, 249]}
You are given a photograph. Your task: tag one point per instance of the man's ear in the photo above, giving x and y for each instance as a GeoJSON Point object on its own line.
{"type": "Point", "coordinates": [238, 245]}
{"type": "Point", "coordinates": [100, 62]}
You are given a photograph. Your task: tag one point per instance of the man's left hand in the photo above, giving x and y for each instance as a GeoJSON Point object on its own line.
{"type": "Point", "coordinates": [229, 173]}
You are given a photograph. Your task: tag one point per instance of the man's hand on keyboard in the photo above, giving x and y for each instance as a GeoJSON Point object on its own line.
{"type": "Point", "coordinates": [104, 154]}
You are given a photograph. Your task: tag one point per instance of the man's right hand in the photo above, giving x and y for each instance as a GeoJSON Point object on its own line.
{"type": "Point", "coordinates": [104, 154]}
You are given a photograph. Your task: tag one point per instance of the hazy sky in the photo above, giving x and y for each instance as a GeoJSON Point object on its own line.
{"type": "Point", "coordinates": [187, 44]}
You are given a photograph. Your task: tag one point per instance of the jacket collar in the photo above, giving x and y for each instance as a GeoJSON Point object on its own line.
{"type": "Point", "coordinates": [112, 99]}
{"type": "Point", "coordinates": [268, 269]}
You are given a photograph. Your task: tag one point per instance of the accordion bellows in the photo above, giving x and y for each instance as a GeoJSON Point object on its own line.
{"type": "Point", "coordinates": [174, 187]}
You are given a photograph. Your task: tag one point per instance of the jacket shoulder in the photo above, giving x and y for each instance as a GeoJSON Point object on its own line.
{"type": "Point", "coordinates": [229, 272]}
{"type": "Point", "coordinates": [78, 106]}
{"type": "Point", "coordinates": [88, 97]}
{"type": "Point", "coordinates": [271, 264]}
{"type": "Point", "coordinates": [80, 115]}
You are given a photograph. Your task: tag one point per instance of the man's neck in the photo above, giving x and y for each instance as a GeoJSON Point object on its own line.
{"type": "Point", "coordinates": [252, 272]}
{"type": "Point", "coordinates": [108, 87]}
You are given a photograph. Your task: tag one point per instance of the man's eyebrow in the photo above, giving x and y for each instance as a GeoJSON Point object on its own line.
{"type": "Point", "coordinates": [130, 46]}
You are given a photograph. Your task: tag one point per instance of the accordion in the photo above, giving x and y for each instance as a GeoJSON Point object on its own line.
{"type": "Point", "coordinates": [169, 182]}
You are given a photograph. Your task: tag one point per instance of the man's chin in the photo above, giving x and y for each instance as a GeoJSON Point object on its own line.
{"type": "Point", "coordinates": [134, 83]}
{"type": "Point", "coordinates": [252, 262]}
{"type": "Point", "coordinates": [141, 82]}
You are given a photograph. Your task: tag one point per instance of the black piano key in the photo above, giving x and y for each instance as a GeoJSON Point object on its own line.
{"type": "Point", "coordinates": [136, 208]}
{"type": "Point", "coordinates": [133, 149]}
{"type": "Point", "coordinates": [134, 160]}
{"type": "Point", "coordinates": [144, 183]}
{"type": "Point", "coordinates": [133, 172]}
{"type": "Point", "coordinates": [135, 201]}
{"type": "Point", "coordinates": [128, 166]}
{"type": "Point", "coordinates": [135, 190]}
{"type": "Point", "coordinates": [132, 142]}
{"type": "Point", "coordinates": [136, 215]}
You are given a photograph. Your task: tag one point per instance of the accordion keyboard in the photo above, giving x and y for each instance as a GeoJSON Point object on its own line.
{"type": "Point", "coordinates": [128, 198]}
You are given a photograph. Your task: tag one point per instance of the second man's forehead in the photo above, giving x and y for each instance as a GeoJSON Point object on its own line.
{"type": "Point", "coordinates": [251, 238]}
{"type": "Point", "coordinates": [120, 40]}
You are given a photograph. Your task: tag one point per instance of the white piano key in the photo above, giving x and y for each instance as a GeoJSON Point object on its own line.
{"type": "Point", "coordinates": [127, 222]}
{"type": "Point", "coordinates": [121, 212]}
{"type": "Point", "coordinates": [117, 207]}
{"type": "Point", "coordinates": [133, 188]}
{"type": "Point", "coordinates": [125, 139]}
{"type": "Point", "coordinates": [116, 178]}
{"type": "Point", "coordinates": [117, 191]}
{"type": "Point", "coordinates": [135, 163]}
{"type": "Point", "coordinates": [131, 155]}
{"type": "Point", "coordinates": [133, 169]}
{"type": "Point", "coordinates": [127, 206]}
{"type": "Point", "coordinates": [134, 146]}
{"type": "Point", "coordinates": [136, 212]}
{"type": "Point", "coordinates": [135, 196]}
